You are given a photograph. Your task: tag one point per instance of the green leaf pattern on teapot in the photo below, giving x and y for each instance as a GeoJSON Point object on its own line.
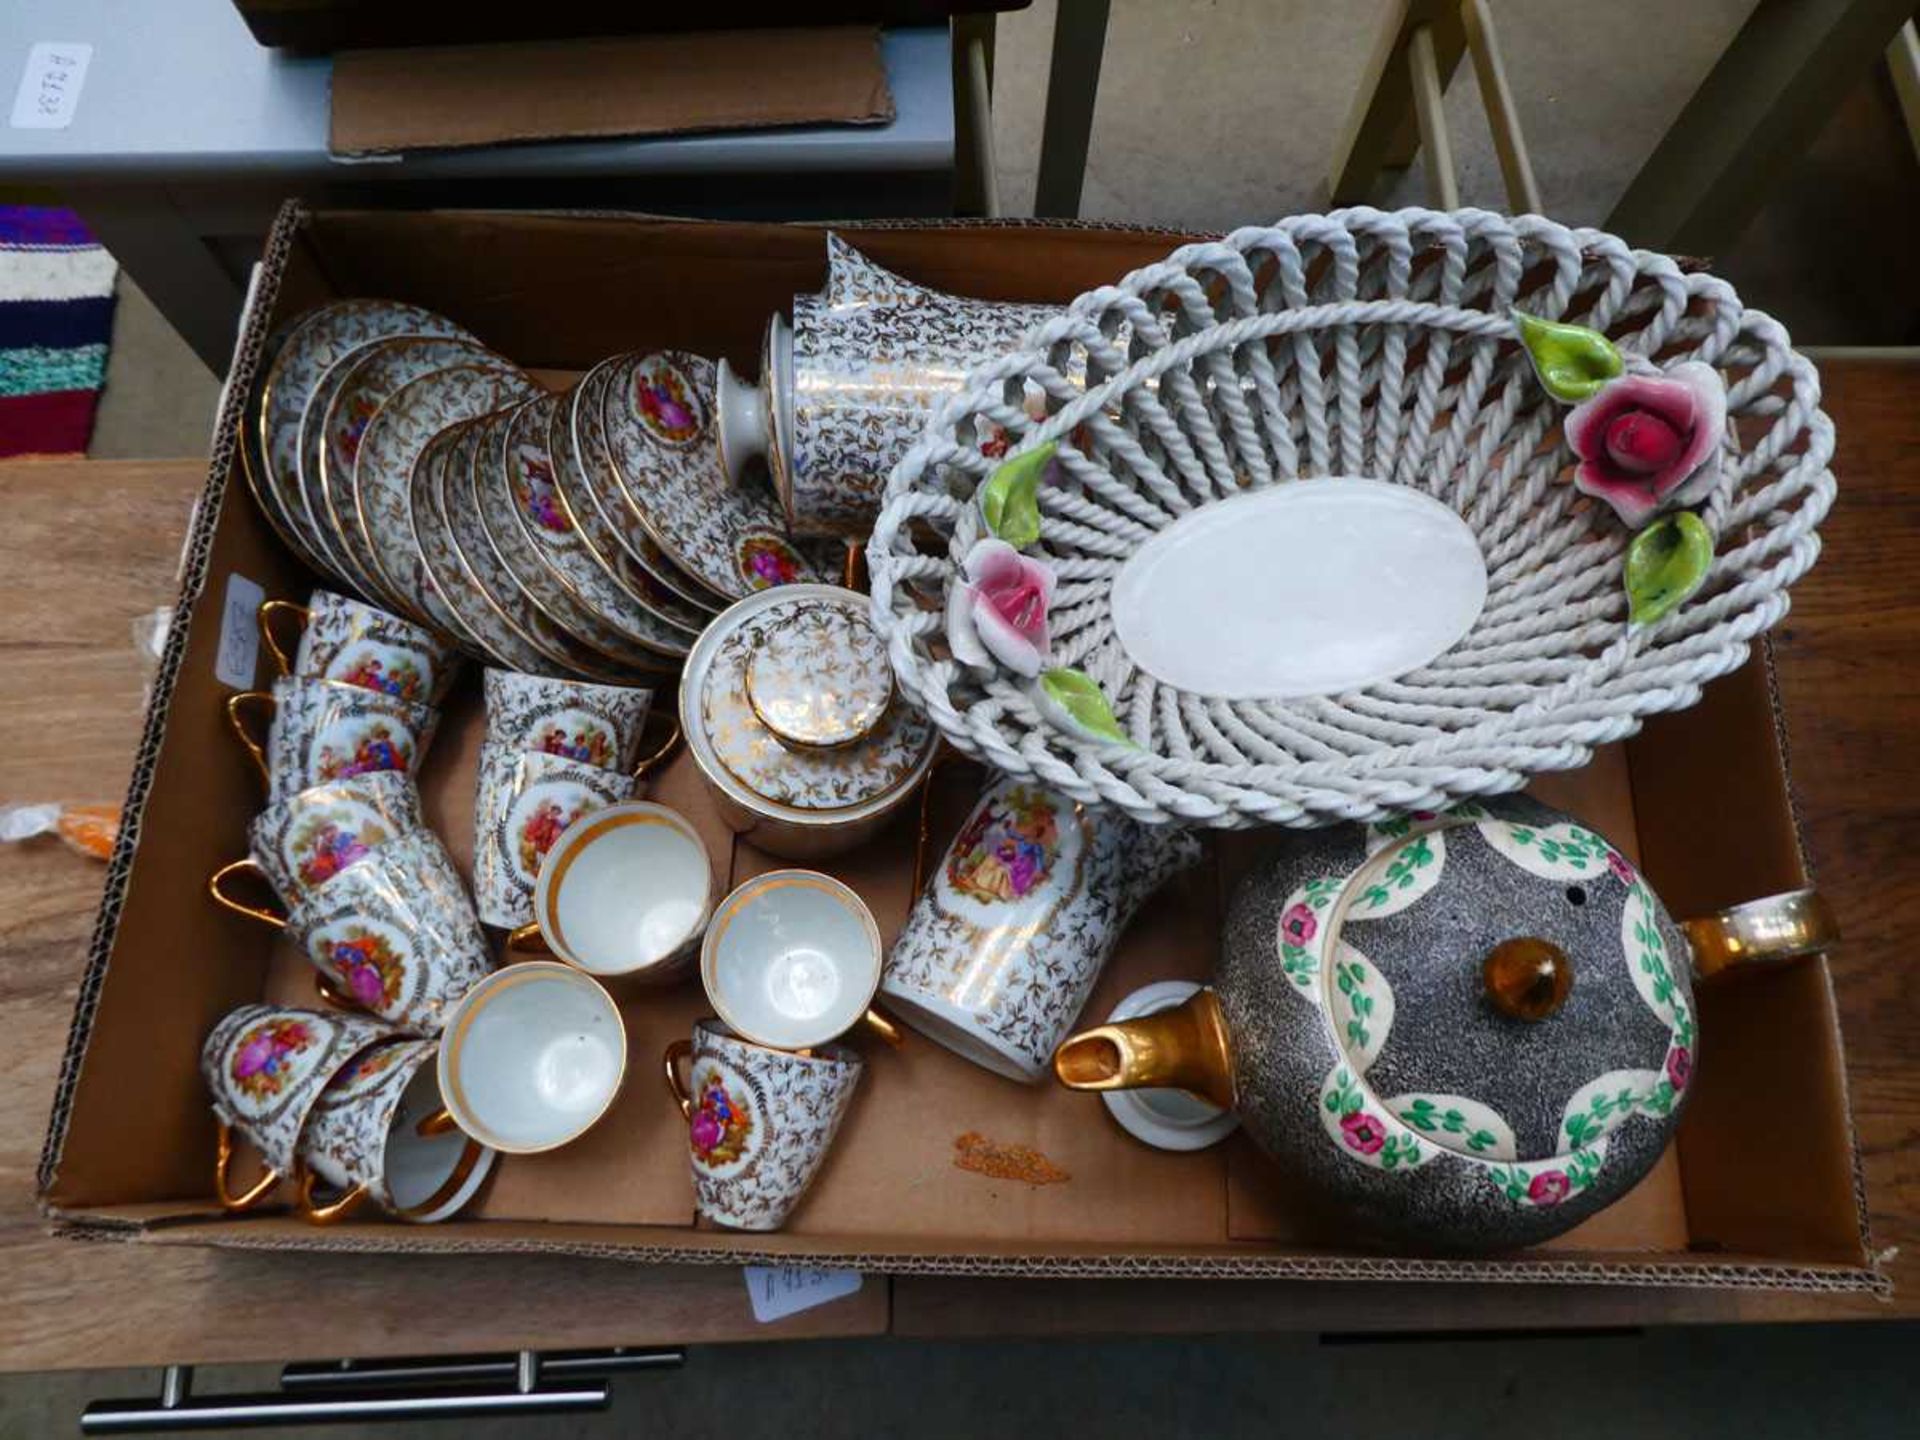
{"type": "Point", "coordinates": [1356, 1000]}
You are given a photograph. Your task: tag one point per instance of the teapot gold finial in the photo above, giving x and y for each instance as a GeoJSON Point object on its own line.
{"type": "Point", "coordinates": [1527, 978]}
{"type": "Point", "coordinates": [1184, 1048]}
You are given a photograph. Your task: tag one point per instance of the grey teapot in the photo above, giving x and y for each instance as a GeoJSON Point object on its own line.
{"type": "Point", "coordinates": [1472, 1030]}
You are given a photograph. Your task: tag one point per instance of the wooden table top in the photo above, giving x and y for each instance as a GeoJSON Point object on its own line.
{"type": "Point", "coordinates": [90, 546]}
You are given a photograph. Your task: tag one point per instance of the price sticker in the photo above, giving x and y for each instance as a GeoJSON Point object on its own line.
{"type": "Point", "coordinates": [49, 90]}
{"type": "Point", "coordinates": [778, 1291]}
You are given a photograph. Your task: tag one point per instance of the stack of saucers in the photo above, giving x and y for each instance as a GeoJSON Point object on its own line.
{"type": "Point", "coordinates": [590, 533]}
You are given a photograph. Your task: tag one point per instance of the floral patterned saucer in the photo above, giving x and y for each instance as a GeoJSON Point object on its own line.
{"type": "Point", "coordinates": [440, 564]}
{"type": "Point", "coordinates": [384, 462]}
{"type": "Point", "coordinates": [313, 344]}
{"type": "Point", "coordinates": [344, 403]}
{"type": "Point", "coordinates": [460, 503]}
{"type": "Point", "coordinates": [598, 536]}
{"type": "Point", "coordinates": [535, 537]}
{"type": "Point", "coordinates": [602, 486]}
{"type": "Point", "coordinates": [658, 414]}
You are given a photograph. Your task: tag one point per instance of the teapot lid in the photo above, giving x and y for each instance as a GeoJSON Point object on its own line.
{"type": "Point", "coordinates": [1407, 955]}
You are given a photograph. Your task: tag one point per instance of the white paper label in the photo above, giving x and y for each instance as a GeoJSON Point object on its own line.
{"type": "Point", "coordinates": [49, 90]}
{"type": "Point", "coordinates": [239, 633]}
{"type": "Point", "coordinates": [778, 1291]}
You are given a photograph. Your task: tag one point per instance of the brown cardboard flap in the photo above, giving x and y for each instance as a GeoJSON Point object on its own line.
{"type": "Point", "coordinates": [447, 97]}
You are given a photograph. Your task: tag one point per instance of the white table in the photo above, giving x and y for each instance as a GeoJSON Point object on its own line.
{"type": "Point", "coordinates": [187, 135]}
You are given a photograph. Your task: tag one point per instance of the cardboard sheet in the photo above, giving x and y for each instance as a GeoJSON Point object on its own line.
{"type": "Point", "coordinates": [449, 97]}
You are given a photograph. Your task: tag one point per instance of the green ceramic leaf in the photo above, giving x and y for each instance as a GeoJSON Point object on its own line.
{"type": "Point", "coordinates": [1083, 703]}
{"type": "Point", "coordinates": [1571, 360]}
{"type": "Point", "coordinates": [1666, 563]}
{"type": "Point", "coordinates": [1009, 501]}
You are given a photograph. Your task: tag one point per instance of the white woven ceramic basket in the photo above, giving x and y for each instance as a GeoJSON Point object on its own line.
{"type": "Point", "coordinates": [1355, 344]}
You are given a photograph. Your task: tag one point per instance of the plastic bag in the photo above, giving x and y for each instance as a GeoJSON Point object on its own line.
{"type": "Point", "coordinates": [89, 829]}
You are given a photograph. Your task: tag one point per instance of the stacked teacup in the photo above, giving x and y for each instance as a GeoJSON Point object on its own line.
{"type": "Point", "coordinates": [791, 961]}
{"type": "Point", "coordinates": [375, 904]}
{"type": "Point", "coordinates": [555, 750]}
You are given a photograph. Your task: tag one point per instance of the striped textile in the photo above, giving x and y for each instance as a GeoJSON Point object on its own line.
{"type": "Point", "coordinates": [56, 316]}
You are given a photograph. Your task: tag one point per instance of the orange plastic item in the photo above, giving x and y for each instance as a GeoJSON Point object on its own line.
{"type": "Point", "coordinates": [91, 829]}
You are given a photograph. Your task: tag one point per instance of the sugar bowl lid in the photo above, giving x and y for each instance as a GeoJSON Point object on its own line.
{"type": "Point", "coordinates": [818, 675]}
{"type": "Point", "coordinates": [789, 707]}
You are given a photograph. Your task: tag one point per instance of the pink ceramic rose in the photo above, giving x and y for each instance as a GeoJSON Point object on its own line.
{"type": "Point", "coordinates": [1000, 612]}
{"type": "Point", "coordinates": [1649, 442]}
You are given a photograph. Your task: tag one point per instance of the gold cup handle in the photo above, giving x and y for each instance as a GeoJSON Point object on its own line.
{"type": "Point", "coordinates": [249, 866]}
{"type": "Point", "coordinates": [255, 1194]}
{"type": "Point", "coordinates": [677, 1051]}
{"type": "Point", "coordinates": [527, 940]}
{"type": "Point", "coordinates": [329, 1212]}
{"type": "Point", "coordinates": [883, 1025]}
{"type": "Point", "coordinates": [1780, 927]}
{"type": "Point", "coordinates": [238, 708]}
{"type": "Point", "coordinates": [661, 754]}
{"type": "Point", "coordinates": [269, 610]}
{"type": "Point", "coordinates": [329, 990]}
{"type": "Point", "coordinates": [438, 1123]}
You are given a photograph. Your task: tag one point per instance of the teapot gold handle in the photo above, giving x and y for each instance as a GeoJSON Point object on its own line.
{"type": "Point", "coordinates": [1779, 927]}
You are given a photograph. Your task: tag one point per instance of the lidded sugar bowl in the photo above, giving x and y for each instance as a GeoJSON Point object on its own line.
{"type": "Point", "coordinates": [1469, 1030]}
{"type": "Point", "coordinates": [789, 711]}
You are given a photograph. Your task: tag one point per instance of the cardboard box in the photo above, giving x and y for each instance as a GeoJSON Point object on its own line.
{"type": "Point", "coordinates": [1759, 1191]}
{"type": "Point", "coordinates": [449, 97]}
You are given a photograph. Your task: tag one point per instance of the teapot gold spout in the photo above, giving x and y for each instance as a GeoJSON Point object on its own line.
{"type": "Point", "coordinates": [1184, 1048]}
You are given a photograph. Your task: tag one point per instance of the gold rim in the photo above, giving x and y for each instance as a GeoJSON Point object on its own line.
{"type": "Point", "coordinates": [480, 358]}
{"type": "Point", "coordinates": [751, 890]}
{"type": "Point", "coordinates": [713, 769]}
{"type": "Point", "coordinates": [602, 822]}
{"type": "Point", "coordinates": [422, 495]}
{"type": "Point", "coordinates": [779, 431]}
{"type": "Point", "coordinates": [587, 410]}
{"type": "Point", "coordinates": [604, 546]}
{"type": "Point", "coordinates": [497, 636]}
{"type": "Point", "coordinates": [581, 664]}
{"type": "Point", "coordinates": [271, 386]}
{"type": "Point", "coordinates": [863, 732]}
{"type": "Point", "coordinates": [631, 492]}
{"type": "Point", "coordinates": [485, 993]}
{"type": "Point", "coordinates": [491, 483]}
{"type": "Point", "coordinates": [830, 1052]}
{"type": "Point", "coordinates": [357, 491]}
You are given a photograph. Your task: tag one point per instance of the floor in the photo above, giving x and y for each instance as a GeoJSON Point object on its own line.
{"type": "Point", "coordinates": [1596, 86]}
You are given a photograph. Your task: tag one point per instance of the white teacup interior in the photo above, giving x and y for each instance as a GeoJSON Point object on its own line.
{"type": "Point", "coordinates": [624, 891]}
{"type": "Point", "coordinates": [793, 959]}
{"type": "Point", "coordinates": [533, 1058]}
